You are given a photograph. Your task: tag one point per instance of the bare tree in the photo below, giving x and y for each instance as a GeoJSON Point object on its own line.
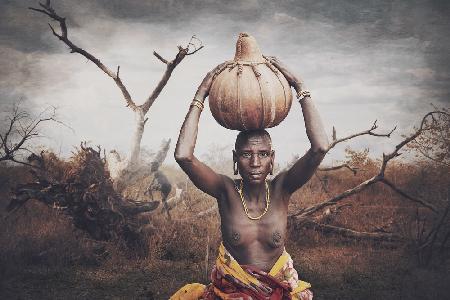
{"type": "Point", "coordinates": [434, 142]}
{"type": "Point", "coordinates": [192, 47]}
{"type": "Point", "coordinates": [307, 217]}
{"type": "Point", "coordinates": [20, 129]}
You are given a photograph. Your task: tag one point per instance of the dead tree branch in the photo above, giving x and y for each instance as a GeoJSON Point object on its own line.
{"type": "Point", "coordinates": [344, 165]}
{"type": "Point", "coordinates": [163, 60]}
{"type": "Point", "coordinates": [192, 47]}
{"type": "Point", "coordinates": [170, 66]}
{"type": "Point", "coordinates": [409, 197]}
{"type": "Point", "coordinates": [304, 215]}
{"type": "Point", "coordinates": [439, 161]}
{"type": "Point", "coordinates": [336, 141]}
{"type": "Point", "coordinates": [197, 45]}
{"type": "Point", "coordinates": [434, 144]}
{"type": "Point", "coordinates": [380, 177]}
{"type": "Point", "coordinates": [48, 10]}
{"type": "Point", "coordinates": [365, 132]}
{"type": "Point", "coordinates": [350, 233]}
{"type": "Point", "coordinates": [20, 130]}
{"type": "Point", "coordinates": [312, 209]}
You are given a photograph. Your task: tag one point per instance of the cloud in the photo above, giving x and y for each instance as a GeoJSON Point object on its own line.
{"type": "Point", "coordinates": [281, 17]}
{"type": "Point", "coordinates": [362, 60]}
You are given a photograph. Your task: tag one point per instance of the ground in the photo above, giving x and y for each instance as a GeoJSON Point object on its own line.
{"type": "Point", "coordinates": [42, 256]}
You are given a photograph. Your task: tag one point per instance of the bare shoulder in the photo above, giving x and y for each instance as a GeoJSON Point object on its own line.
{"type": "Point", "coordinates": [230, 183]}
{"type": "Point", "coordinates": [278, 184]}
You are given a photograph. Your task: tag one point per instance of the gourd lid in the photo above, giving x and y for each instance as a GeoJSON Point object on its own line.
{"type": "Point", "coordinates": [247, 49]}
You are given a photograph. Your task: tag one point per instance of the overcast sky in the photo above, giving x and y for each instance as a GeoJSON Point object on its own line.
{"type": "Point", "coordinates": [361, 60]}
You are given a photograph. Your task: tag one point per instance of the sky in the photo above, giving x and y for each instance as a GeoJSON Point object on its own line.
{"type": "Point", "coordinates": [362, 61]}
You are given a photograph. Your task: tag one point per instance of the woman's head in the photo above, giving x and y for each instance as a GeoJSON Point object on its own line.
{"type": "Point", "coordinates": [253, 155]}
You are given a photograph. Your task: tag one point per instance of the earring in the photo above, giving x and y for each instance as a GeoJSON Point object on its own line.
{"type": "Point", "coordinates": [235, 168]}
{"type": "Point", "coordinates": [271, 169]}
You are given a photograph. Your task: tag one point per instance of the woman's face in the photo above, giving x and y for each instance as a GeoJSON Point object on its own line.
{"type": "Point", "coordinates": [254, 158]}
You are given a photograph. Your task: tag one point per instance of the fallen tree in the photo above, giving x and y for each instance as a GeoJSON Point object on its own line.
{"type": "Point", "coordinates": [82, 189]}
{"type": "Point", "coordinates": [312, 217]}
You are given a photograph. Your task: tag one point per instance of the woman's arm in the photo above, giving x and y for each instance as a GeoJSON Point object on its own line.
{"type": "Point", "coordinates": [304, 168]}
{"type": "Point", "coordinates": [201, 175]}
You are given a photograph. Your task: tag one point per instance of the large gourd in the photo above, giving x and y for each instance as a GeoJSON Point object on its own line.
{"type": "Point", "coordinates": [249, 92]}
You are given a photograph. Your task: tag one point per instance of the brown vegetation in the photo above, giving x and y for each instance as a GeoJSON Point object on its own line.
{"type": "Point", "coordinates": [366, 229]}
{"type": "Point", "coordinates": [370, 229]}
{"type": "Point", "coordinates": [82, 189]}
{"type": "Point", "coordinates": [43, 255]}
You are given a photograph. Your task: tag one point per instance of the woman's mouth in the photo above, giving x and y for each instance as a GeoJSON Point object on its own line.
{"type": "Point", "coordinates": [255, 175]}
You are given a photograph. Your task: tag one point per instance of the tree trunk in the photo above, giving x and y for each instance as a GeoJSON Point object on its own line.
{"type": "Point", "coordinates": [136, 142]}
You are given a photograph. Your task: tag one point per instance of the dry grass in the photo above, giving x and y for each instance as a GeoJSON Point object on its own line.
{"type": "Point", "coordinates": [43, 256]}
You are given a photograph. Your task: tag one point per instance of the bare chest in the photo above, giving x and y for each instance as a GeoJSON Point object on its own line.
{"type": "Point", "coordinates": [241, 232]}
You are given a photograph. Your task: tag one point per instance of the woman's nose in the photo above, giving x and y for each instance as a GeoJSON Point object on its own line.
{"type": "Point", "coordinates": [255, 161]}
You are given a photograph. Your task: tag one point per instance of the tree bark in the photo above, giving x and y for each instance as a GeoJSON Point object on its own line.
{"type": "Point", "coordinates": [140, 110]}
{"type": "Point", "coordinates": [136, 141]}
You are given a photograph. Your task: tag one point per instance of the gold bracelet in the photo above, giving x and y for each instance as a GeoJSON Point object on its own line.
{"type": "Point", "coordinates": [197, 103]}
{"type": "Point", "coordinates": [303, 94]}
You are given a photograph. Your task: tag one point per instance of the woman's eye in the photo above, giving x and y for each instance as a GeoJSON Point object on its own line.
{"type": "Point", "coordinates": [264, 154]}
{"type": "Point", "coordinates": [246, 155]}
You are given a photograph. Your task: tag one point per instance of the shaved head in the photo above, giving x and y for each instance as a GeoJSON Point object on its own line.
{"type": "Point", "coordinates": [244, 136]}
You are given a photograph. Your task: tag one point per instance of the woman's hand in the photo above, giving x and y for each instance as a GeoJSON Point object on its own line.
{"type": "Point", "coordinates": [205, 86]}
{"type": "Point", "coordinates": [293, 80]}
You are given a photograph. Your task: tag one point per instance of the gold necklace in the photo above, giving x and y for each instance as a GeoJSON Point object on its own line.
{"type": "Point", "coordinates": [241, 193]}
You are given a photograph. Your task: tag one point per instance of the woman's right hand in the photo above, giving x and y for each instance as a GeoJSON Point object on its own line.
{"type": "Point", "coordinates": [205, 86]}
{"type": "Point", "coordinates": [293, 80]}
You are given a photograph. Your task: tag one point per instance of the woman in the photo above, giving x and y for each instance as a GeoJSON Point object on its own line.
{"type": "Point", "coordinates": [252, 260]}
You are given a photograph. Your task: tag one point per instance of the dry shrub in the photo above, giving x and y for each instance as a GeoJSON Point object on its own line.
{"type": "Point", "coordinates": [186, 236]}
{"type": "Point", "coordinates": [37, 235]}
{"type": "Point", "coordinates": [378, 208]}
{"type": "Point", "coordinates": [183, 240]}
{"type": "Point", "coordinates": [337, 267]}
{"type": "Point", "coordinates": [10, 176]}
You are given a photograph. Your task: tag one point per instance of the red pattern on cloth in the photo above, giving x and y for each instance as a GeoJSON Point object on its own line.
{"type": "Point", "coordinates": [224, 286]}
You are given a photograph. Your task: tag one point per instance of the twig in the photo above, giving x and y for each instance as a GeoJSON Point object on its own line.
{"type": "Point", "coordinates": [350, 233]}
{"type": "Point", "coordinates": [396, 189]}
{"type": "Point", "coordinates": [377, 178]}
{"type": "Point", "coordinates": [160, 57]}
{"type": "Point", "coordinates": [170, 66]}
{"type": "Point", "coordinates": [365, 132]}
{"type": "Point", "coordinates": [344, 165]}
{"type": "Point", "coordinates": [49, 11]}
{"type": "Point", "coordinates": [312, 209]}
{"type": "Point", "coordinates": [196, 47]}
{"type": "Point", "coordinates": [182, 52]}
{"type": "Point", "coordinates": [25, 128]}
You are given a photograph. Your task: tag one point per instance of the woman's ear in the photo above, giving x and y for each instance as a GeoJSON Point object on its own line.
{"type": "Point", "coordinates": [235, 167]}
{"type": "Point", "coordinates": [272, 163]}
